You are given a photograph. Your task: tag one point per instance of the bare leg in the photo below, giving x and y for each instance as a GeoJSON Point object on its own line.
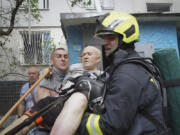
{"type": "Point", "coordinates": [70, 117]}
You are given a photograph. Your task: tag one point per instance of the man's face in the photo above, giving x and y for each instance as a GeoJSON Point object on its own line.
{"type": "Point", "coordinates": [33, 74]}
{"type": "Point", "coordinates": [110, 43]}
{"type": "Point", "coordinates": [90, 58]}
{"type": "Point", "coordinates": [60, 60]}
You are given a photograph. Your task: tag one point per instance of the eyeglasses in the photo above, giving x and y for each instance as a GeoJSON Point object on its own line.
{"type": "Point", "coordinates": [87, 53]}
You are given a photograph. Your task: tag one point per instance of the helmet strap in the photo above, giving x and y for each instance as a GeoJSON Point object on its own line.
{"type": "Point", "coordinates": [125, 46]}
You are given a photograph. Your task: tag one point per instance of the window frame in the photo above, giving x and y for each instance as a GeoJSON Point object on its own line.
{"type": "Point", "coordinates": [93, 7]}
{"type": "Point", "coordinates": [21, 49]}
{"type": "Point", "coordinates": [44, 5]}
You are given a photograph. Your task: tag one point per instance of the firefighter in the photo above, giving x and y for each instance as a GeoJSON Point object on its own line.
{"type": "Point", "coordinates": [131, 89]}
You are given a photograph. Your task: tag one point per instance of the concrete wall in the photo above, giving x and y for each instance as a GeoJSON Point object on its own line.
{"type": "Point", "coordinates": [51, 17]}
{"type": "Point", "coordinates": [50, 21]}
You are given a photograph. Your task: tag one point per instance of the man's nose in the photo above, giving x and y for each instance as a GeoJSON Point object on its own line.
{"type": "Point", "coordinates": [106, 43]}
{"type": "Point", "coordinates": [63, 58]}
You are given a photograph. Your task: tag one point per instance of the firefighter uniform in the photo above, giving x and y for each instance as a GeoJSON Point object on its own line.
{"type": "Point", "coordinates": [130, 89]}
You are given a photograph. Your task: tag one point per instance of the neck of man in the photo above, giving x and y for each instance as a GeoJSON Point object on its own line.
{"type": "Point", "coordinates": [31, 83]}
{"type": "Point", "coordinates": [92, 69]}
{"type": "Point", "coordinates": [59, 72]}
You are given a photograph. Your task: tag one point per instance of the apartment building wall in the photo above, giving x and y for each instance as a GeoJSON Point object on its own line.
{"type": "Point", "coordinates": [50, 22]}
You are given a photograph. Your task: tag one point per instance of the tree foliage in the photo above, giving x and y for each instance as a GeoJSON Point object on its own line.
{"type": "Point", "coordinates": [11, 10]}
{"type": "Point", "coordinates": [76, 2]}
{"type": "Point", "coordinates": [8, 14]}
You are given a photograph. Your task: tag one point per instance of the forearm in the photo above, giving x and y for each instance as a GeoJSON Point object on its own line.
{"type": "Point", "coordinates": [20, 109]}
{"type": "Point", "coordinates": [71, 115]}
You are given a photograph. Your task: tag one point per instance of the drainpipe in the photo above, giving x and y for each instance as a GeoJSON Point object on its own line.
{"type": "Point", "coordinates": [98, 5]}
{"type": "Point", "coordinates": [1, 13]}
{"type": "Point", "coordinates": [29, 21]}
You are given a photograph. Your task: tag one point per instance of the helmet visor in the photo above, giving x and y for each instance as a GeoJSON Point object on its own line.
{"type": "Point", "coordinates": [101, 34]}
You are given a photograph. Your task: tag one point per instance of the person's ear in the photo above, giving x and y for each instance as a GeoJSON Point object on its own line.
{"type": "Point", "coordinates": [98, 59]}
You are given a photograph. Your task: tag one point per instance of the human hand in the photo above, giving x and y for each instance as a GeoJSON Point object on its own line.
{"type": "Point", "coordinates": [49, 75]}
{"type": "Point", "coordinates": [94, 92]}
{"type": "Point", "coordinates": [92, 89]}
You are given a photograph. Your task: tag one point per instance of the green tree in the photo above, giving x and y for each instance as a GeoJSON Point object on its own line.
{"type": "Point", "coordinates": [9, 10]}
{"type": "Point", "coordinates": [76, 2]}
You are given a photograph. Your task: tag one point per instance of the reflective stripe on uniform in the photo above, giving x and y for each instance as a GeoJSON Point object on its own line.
{"type": "Point", "coordinates": [92, 125]}
{"type": "Point", "coordinates": [154, 81]}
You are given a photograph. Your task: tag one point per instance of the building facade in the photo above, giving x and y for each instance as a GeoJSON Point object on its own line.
{"type": "Point", "coordinates": [158, 20]}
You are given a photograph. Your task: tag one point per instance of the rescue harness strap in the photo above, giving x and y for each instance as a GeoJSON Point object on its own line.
{"type": "Point", "coordinates": [172, 83]}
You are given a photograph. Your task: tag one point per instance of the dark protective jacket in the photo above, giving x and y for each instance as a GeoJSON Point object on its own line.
{"type": "Point", "coordinates": [130, 90]}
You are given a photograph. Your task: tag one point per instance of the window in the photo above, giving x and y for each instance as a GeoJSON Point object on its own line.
{"type": "Point", "coordinates": [43, 4]}
{"type": "Point", "coordinates": [105, 4]}
{"type": "Point", "coordinates": [39, 49]}
{"type": "Point", "coordinates": [158, 7]}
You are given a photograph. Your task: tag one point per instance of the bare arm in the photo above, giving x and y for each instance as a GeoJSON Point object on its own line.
{"type": "Point", "coordinates": [71, 115]}
{"type": "Point", "coordinates": [21, 109]}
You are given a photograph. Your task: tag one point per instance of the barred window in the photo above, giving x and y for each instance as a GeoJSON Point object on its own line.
{"type": "Point", "coordinates": [38, 51]}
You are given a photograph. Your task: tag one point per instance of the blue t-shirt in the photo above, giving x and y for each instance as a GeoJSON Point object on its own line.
{"type": "Point", "coordinates": [28, 100]}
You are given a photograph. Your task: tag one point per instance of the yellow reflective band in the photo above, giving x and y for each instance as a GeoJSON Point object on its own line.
{"type": "Point", "coordinates": [96, 123]}
{"type": "Point", "coordinates": [92, 125]}
{"type": "Point", "coordinates": [88, 125]}
{"type": "Point", "coordinates": [154, 81]}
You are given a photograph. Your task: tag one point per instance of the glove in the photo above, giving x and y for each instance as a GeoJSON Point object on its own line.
{"type": "Point", "coordinates": [92, 89]}
{"type": "Point", "coordinates": [94, 92]}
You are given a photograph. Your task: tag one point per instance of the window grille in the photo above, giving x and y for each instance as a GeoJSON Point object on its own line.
{"type": "Point", "coordinates": [39, 49]}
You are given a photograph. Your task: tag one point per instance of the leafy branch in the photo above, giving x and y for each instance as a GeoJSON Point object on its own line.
{"type": "Point", "coordinates": [76, 2]}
